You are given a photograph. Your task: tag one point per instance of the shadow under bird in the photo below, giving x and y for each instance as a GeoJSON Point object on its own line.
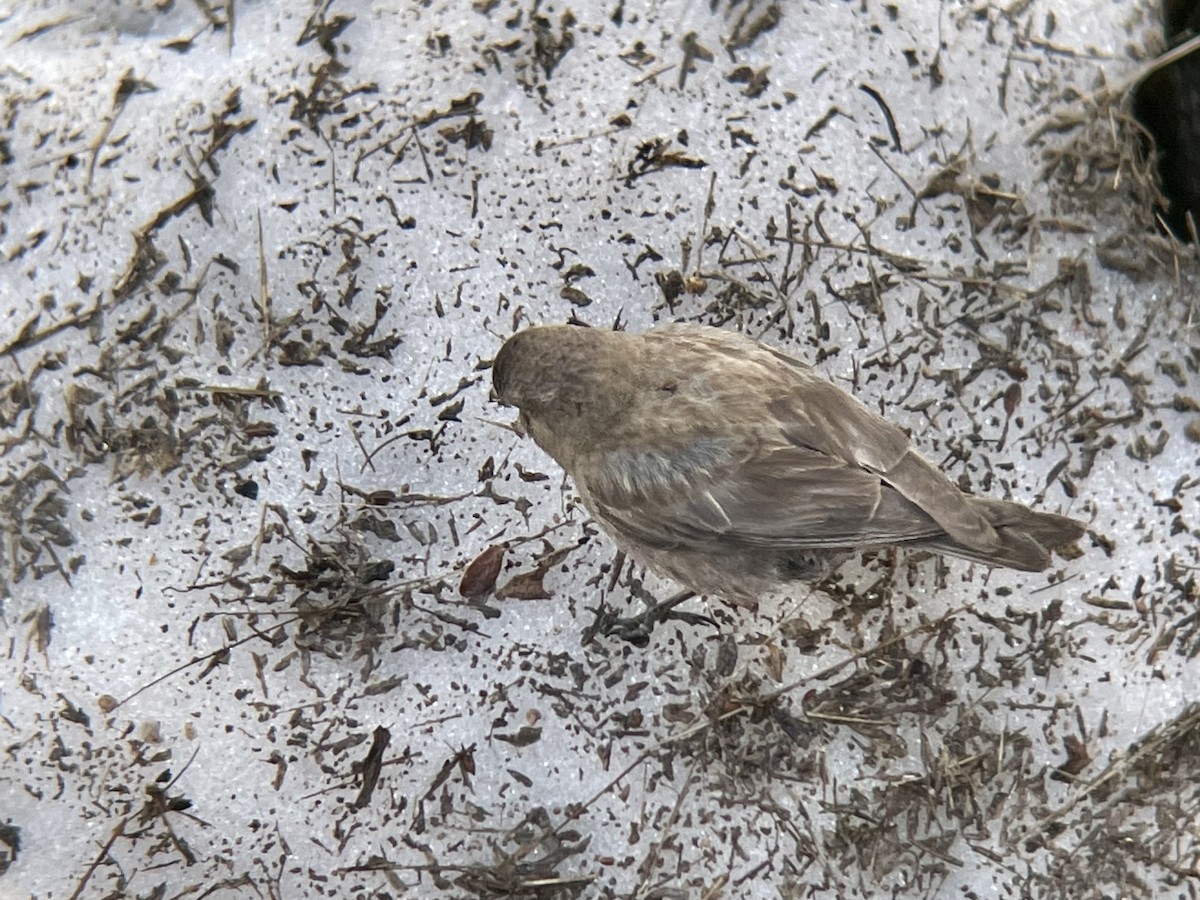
{"type": "Point", "coordinates": [732, 467]}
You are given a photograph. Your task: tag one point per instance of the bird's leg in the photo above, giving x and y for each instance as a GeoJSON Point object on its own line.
{"type": "Point", "coordinates": [637, 629]}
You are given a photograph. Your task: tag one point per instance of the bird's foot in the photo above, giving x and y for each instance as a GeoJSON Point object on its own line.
{"type": "Point", "coordinates": [637, 629]}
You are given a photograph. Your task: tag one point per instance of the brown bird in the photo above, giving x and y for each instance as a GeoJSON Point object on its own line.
{"type": "Point", "coordinates": [732, 467]}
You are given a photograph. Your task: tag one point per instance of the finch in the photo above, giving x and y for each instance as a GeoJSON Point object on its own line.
{"type": "Point", "coordinates": [732, 467]}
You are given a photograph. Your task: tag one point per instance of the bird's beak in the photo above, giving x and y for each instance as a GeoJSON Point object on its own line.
{"type": "Point", "coordinates": [521, 425]}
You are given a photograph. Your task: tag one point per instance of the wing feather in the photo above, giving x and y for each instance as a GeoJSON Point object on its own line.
{"type": "Point", "coordinates": [788, 499]}
{"type": "Point", "coordinates": [800, 463]}
{"type": "Point", "coordinates": [819, 415]}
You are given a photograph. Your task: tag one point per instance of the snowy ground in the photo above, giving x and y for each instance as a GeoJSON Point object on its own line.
{"type": "Point", "coordinates": [254, 262]}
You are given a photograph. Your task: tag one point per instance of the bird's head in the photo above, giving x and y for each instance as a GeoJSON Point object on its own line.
{"type": "Point", "coordinates": [570, 384]}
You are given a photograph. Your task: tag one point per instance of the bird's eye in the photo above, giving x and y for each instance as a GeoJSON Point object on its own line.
{"type": "Point", "coordinates": [669, 388]}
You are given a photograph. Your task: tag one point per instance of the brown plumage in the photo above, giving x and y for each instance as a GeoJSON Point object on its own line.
{"type": "Point", "coordinates": [731, 467]}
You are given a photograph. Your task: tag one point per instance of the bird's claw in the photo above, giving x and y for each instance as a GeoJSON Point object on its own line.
{"type": "Point", "coordinates": [637, 629]}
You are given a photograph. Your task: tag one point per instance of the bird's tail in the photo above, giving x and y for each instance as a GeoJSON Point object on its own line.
{"type": "Point", "coordinates": [1027, 537]}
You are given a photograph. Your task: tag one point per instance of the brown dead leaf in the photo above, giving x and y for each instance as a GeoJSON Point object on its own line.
{"type": "Point", "coordinates": [525, 586]}
{"type": "Point", "coordinates": [480, 576]}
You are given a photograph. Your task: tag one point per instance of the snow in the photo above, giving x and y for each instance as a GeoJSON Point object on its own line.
{"type": "Point", "coordinates": [236, 519]}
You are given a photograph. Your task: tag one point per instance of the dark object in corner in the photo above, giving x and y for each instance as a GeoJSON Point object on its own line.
{"type": "Point", "coordinates": [1181, 19]}
{"type": "Point", "coordinates": [1167, 103]}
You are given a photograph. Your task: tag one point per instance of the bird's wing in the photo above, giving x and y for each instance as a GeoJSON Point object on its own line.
{"type": "Point", "coordinates": [819, 416]}
{"type": "Point", "coordinates": [788, 498]}
{"type": "Point", "coordinates": [855, 465]}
